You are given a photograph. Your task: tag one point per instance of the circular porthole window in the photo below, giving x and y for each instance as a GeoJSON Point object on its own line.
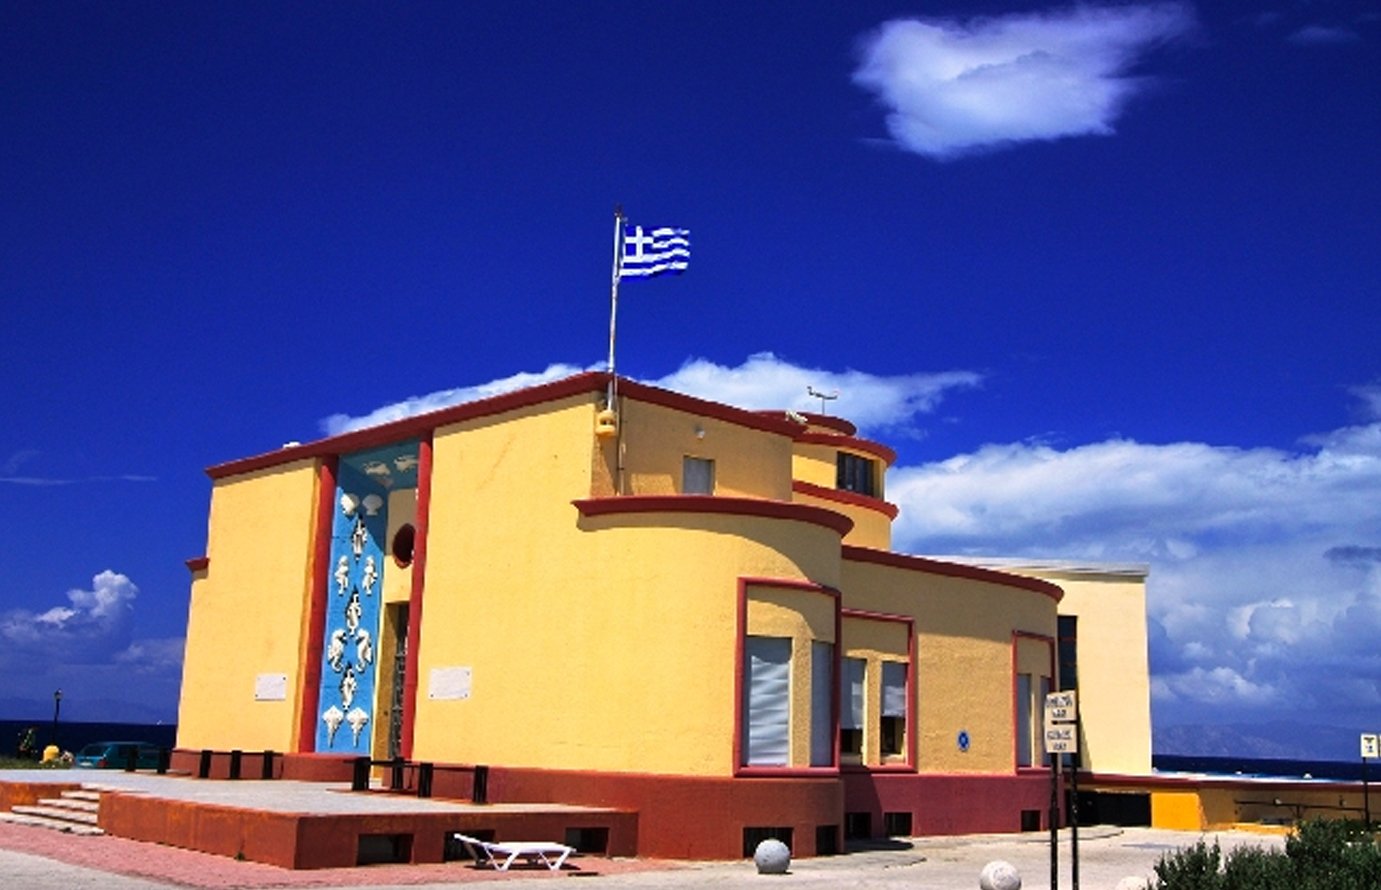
{"type": "Point", "coordinates": [403, 541]}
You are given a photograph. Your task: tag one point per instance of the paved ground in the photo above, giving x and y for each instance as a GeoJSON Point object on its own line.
{"type": "Point", "coordinates": [41, 859]}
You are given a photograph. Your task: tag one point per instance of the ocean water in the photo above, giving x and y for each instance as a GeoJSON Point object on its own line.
{"type": "Point", "coordinates": [73, 736]}
{"type": "Point", "coordinates": [1341, 771]}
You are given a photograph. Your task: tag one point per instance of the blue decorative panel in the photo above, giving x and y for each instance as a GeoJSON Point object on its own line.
{"type": "Point", "coordinates": [349, 661]}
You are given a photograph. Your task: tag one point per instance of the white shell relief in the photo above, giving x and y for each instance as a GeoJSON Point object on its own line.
{"type": "Point", "coordinates": [357, 719]}
{"type": "Point", "coordinates": [333, 717]}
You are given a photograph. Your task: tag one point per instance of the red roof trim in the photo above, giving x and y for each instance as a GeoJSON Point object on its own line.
{"type": "Point", "coordinates": [846, 497]}
{"type": "Point", "coordinates": [198, 563]}
{"type": "Point", "coordinates": [876, 449]}
{"type": "Point", "coordinates": [699, 503]}
{"type": "Point", "coordinates": [950, 569]}
{"type": "Point", "coordinates": [421, 425]}
{"type": "Point", "coordinates": [838, 424]}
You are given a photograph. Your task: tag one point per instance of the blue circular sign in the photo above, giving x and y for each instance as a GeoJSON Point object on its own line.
{"type": "Point", "coordinates": [963, 740]}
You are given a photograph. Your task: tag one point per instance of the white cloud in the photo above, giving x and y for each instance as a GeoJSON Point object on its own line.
{"type": "Point", "coordinates": [957, 87]}
{"type": "Point", "coordinates": [88, 630]}
{"type": "Point", "coordinates": [1323, 35]}
{"type": "Point", "coordinates": [153, 655]}
{"type": "Point", "coordinates": [445, 398]}
{"type": "Point", "coordinates": [763, 381]}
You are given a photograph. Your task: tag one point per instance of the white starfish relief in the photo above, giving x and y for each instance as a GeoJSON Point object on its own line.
{"type": "Point", "coordinates": [357, 719]}
{"type": "Point", "coordinates": [333, 718]}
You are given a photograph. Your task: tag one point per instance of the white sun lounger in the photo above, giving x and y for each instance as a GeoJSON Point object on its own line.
{"type": "Point", "coordinates": [502, 855]}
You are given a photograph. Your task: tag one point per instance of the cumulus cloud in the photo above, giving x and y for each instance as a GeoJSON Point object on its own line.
{"type": "Point", "coordinates": [1265, 588]}
{"type": "Point", "coordinates": [763, 381]}
{"type": "Point", "coordinates": [90, 628]}
{"type": "Point", "coordinates": [957, 87]}
{"type": "Point", "coordinates": [445, 398]}
{"type": "Point", "coordinates": [870, 401]}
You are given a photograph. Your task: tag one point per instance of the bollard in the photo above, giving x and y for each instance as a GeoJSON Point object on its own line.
{"type": "Point", "coordinates": [360, 780]}
{"type": "Point", "coordinates": [479, 792]}
{"type": "Point", "coordinates": [131, 759]}
{"type": "Point", "coordinates": [267, 771]}
{"type": "Point", "coordinates": [999, 875]}
{"type": "Point", "coordinates": [204, 765]}
{"type": "Point", "coordinates": [165, 758]}
{"type": "Point", "coordinates": [772, 857]}
{"type": "Point", "coordinates": [395, 781]}
{"type": "Point", "coordinates": [235, 763]}
{"type": "Point", "coordinates": [424, 779]}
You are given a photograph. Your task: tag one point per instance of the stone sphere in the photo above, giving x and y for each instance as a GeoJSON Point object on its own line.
{"type": "Point", "coordinates": [1132, 884]}
{"type": "Point", "coordinates": [772, 857]}
{"type": "Point", "coordinates": [999, 875]}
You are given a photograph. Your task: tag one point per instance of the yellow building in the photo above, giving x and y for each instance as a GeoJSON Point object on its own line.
{"type": "Point", "coordinates": [678, 608]}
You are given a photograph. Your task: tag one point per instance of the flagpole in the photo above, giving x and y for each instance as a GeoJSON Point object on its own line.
{"type": "Point", "coordinates": [614, 301]}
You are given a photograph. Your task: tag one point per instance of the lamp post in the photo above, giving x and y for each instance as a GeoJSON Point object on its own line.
{"type": "Point", "coordinates": [57, 706]}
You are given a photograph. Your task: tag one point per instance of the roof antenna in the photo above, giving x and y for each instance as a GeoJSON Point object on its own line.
{"type": "Point", "coordinates": [823, 397]}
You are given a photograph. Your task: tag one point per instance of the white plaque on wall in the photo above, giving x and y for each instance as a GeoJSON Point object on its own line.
{"type": "Point", "coordinates": [451, 683]}
{"type": "Point", "coordinates": [271, 687]}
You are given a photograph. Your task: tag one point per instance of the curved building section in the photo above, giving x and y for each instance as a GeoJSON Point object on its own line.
{"type": "Point", "coordinates": [677, 608]}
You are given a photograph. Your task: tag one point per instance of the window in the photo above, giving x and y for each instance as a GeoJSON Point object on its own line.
{"type": "Point", "coordinates": [697, 475]}
{"type": "Point", "coordinates": [851, 687]}
{"type": "Point", "coordinates": [856, 474]}
{"type": "Point", "coordinates": [1069, 652]}
{"type": "Point", "coordinates": [892, 728]}
{"type": "Point", "coordinates": [821, 701]}
{"type": "Point", "coordinates": [766, 701]}
{"type": "Point", "coordinates": [1024, 727]}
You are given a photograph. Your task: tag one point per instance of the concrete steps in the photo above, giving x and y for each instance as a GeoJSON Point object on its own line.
{"type": "Point", "coordinates": [75, 812]}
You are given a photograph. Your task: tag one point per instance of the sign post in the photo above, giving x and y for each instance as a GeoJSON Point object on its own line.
{"type": "Point", "coordinates": [1370, 750]}
{"type": "Point", "coordinates": [1062, 737]}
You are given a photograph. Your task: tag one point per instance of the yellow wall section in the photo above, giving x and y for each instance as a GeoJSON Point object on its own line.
{"type": "Point", "coordinates": [248, 613]}
{"type": "Point", "coordinates": [537, 601]}
{"type": "Point", "coordinates": [748, 462]}
{"type": "Point", "coordinates": [815, 464]}
{"type": "Point", "coordinates": [964, 657]}
{"type": "Point", "coordinates": [1114, 673]}
{"type": "Point", "coordinates": [871, 528]}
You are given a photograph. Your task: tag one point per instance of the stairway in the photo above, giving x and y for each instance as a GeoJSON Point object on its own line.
{"type": "Point", "coordinates": [74, 812]}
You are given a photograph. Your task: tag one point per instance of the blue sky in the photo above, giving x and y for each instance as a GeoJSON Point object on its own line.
{"type": "Point", "coordinates": [1106, 276]}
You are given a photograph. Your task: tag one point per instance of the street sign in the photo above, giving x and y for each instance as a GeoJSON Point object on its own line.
{"type": "Point", "coordinates": [1062, 738]}
{"type": "Point", "coordinates": [1370, 748]}
{"type": "Point", "coordinates": [1061, 707]}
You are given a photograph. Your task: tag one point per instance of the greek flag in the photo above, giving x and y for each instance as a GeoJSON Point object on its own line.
{"type": "Point", "coordinates": [649, 252]}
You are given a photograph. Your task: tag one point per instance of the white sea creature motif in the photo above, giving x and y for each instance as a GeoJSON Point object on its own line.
{"type": "Point", "coordinates": [364, 648]}
{"type": "Point", "coordinates": [358, 536]}
{"type": "Point", "coordinates": [342, 575]}
{"type": "Point", "coordinates": [353, 612]}
{"type": "Point", "coordinates": [373, 504]}
{"type": "Point", "coordinates": [405, 462]}
{"type": "Point", "coordinates": [371, 575]}
{"type": "Point", "coordinates": [335, 650]}
{"type": "Point", "coordinates": [377, 469]}
{"type": "Point", "coordinates": [348, 685]}
{"type": "Point", "coordinates": [333, 717]}
{"type": "Point", "coordinates": [349, 503]}
{"type": "Point", "coordinates": [357, 719]}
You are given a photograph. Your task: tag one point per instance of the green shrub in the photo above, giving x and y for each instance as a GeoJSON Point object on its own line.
{"type": "Point", "coordinates": [1321, 854]}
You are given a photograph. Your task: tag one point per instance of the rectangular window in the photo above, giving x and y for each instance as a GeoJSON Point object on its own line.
{"type": "Point", "coordinates": [766, 701]}
{"type": "Point", "coordinates": [1069, 652]}
{"type": "Point", "coordinates": [856, 474]}
{"type": "Point", "coordinates": [821, 703]}
{"type": "Point", "coordinates": [892, 729]}
{"type": "Point", "coordinates": [697, 475]}
{"type": "Point", "coordinates": [851, 686]}
{"type": "Point", "coordinates": [1039, 729]}
{"type": "Point", "coordinates": [1024, 727]}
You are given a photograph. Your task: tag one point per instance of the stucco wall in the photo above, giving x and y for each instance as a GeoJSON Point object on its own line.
{"type": "Point", "coordinates": [247, 612]}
